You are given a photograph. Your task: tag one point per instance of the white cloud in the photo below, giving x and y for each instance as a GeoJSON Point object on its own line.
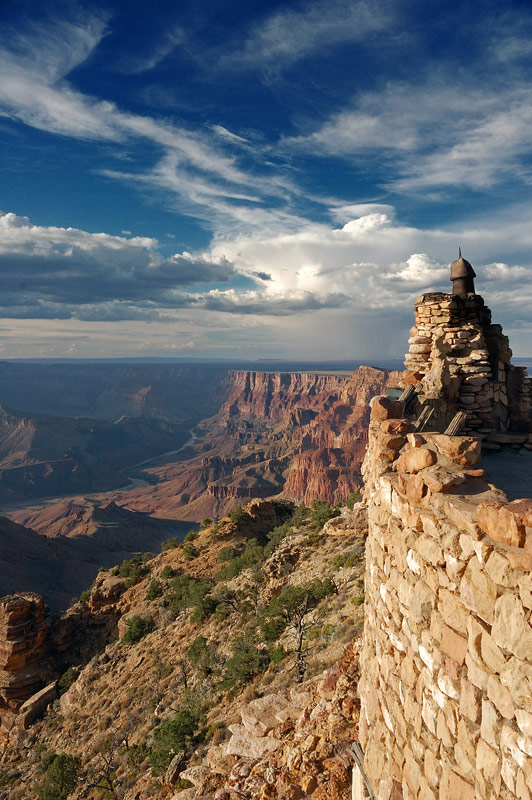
{"type": "Point", "coordinates": [137, 63]}
{"type": "Point", "coordinates": [196, 167]}
{"type": "Point", "coordinates": [289, 35]}
{"type": "Point", "coordinates": [442, 133]}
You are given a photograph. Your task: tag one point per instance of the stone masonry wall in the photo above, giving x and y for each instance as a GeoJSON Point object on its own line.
{"type": "Point", "coordinates": [446, 667]}
{"type": "Point", "coordinates": [464, 361]}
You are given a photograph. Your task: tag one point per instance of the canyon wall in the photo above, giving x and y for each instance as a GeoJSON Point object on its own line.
{"type": "Point", "coordinates": [278, 395]}
{"type": "Point", "coordinates": [446, 666]}
{"type": "Point", "coordinates": [298, 435]}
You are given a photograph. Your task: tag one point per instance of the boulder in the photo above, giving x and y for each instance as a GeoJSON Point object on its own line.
{"type": "Point", "coordinates": [260, 715]}
{"type": "Point", "coordinates": [195, 775]}
{"type": "Point", "coordinates": [174, 769]}
{"type": "Point", "coordinates": [35, 705]}
{"type": "Point", "coordinates": [350, 521]}
{"type": "Point", "coordinates": [244, 744]}
{"type": "Point", "coordinates": [218, 761]}
{"type": "Point", "coordinates": [384, 407]}
{"type": "Point", "coordinates": [462, 450]}
{"type": "Point", "coordinates": [416, 459]}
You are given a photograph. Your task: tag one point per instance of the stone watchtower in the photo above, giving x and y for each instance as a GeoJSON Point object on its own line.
{"type": "Point", "coordinates": [460, 361]}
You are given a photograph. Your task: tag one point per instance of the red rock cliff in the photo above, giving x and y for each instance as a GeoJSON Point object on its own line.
{"type": "Point", "coordinates": [277, 395]}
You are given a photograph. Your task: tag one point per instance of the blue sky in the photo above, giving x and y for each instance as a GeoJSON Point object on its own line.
{"type": "Point", "coordinates": [244, 180]}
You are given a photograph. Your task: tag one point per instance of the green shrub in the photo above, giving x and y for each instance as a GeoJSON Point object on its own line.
{"type": "Point", "coordinates": [277, 654]}
{"type": "Point", "coordinates": [8, 777]}
{"type": "Point", "coordinates": [67, 679]}
{"type": "Point", "coordinates": [189, 551]}
{"type": "Point", "coordinates": [155, 589]}
{"type": "Point", "coordinates": [191, 535]}
{"type": "Point", "coordinates": [293, 604]}
{"type": "Point", "coordinates": [136, 755]}
{"type": "Point", "coordinates": [354, 497]}
{"type": "Point", "coordinates": [172, 737]}
{"type": "Point", "coordinates": [320, 512]}
{"type": "Point", "coordinates": [137, 628]}
{"type": "Point", "coordinates": [167, 572]}
{"type": "Point", "coordinates": [85, 595]}
{"type": "Point", "coordinates": [240, 517]}
{"type": "Point", "coordinates": [251, 556]}
{"type": "Point", "coordinates": [228, 553]}
{"type": "Point", "coordinates": [187, 592]}
{"type": "Point", "coordinates": [245, 663]}
{"type": "Point", "coordinates": [200, 655]}
{"type": "Point", "coordinates": [61, 777]}
{"type": "Point", "coordinates": [134, 569]}
{"type": "Point", "coordinates": [346, 560]}
{"type": "Point", "coordinates": [170, 544]}
{"type": "Point", "coordinates": [205, 523]}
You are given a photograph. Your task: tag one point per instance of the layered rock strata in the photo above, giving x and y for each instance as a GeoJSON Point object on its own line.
{"type": "Point", "coordinates": [464, 362]}
{"type": "Point", "coordinates": [446, 666]}
{"type": "Point", "coordinates": [23, 635]}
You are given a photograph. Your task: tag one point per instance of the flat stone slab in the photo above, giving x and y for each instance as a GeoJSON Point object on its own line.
{"type": "Point", "coordinates": [509, 471]}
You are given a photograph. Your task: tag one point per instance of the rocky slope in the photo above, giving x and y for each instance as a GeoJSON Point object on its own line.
{"type": "Point", "coordinates": [297, 436]}
{"type": "Point", "coordinates": [211, 700]}
{"type": "Point", "coordinates": [70, 542]}
{"type": "Point", "coordinates": [42, 455]}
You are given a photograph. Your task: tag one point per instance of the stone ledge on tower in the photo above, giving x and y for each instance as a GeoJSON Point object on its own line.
{"type": "Point", "coordinates": [460, 361]}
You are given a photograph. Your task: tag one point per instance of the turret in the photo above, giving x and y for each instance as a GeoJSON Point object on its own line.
{"type": "Point", "coordinates": [462, 274]}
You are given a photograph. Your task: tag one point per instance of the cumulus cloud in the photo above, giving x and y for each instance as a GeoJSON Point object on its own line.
{"type": "Point", "coordinates": [58, 273]}
{"type": "Point", "coordinates": [276, 304]}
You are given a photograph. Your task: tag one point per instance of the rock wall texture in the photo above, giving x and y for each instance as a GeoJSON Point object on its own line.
{"type": "Point", "coordinates": [278, 395]}
{"type": "Point", "coordinates": [446, 666]}
{"type": "Point", "coordinates": [464, 362]}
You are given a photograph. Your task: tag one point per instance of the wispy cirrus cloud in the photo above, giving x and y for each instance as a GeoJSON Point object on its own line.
{"type": "Point", "coordinates": [433, 135]}
{"type": "Point", "coordinates": [291, 34]}
{"type": "Point", "coordinates": [193, 166]}
{"type": "Point", "coordinates": [138, 63]}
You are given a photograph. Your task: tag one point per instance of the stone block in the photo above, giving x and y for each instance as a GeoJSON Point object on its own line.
{"type": "Point", "coordinates": [490, 653]}
{"type": "Point", "coordinates": [415, 459]}
{"type": "Point", "coordinates": [453, 645]}
{"type": "Point", "coordinates": [260, 715]}
{"type": "Point", "coordinates": [439, 479]}
{"type": "Point", "coordinates": [430, 550]}
{"type": "Point", "coordinates": [510, 629]}
{"type": "Point", "coordinates": [384, 407]}
{"type": "Point", "coordinates": [36, 704]}
{"type": "Point", "coordinates": [461, 450]}
{"type": "Point", "coordinates": [470, 696]}
{"type": "Point", "coordinates": [500, 697]}
{"type": "Point", "coordinates": [499, 569]}
{"type": "Point", "coordinates": [521, 788]}
{"type": "Point", "coordinates": [460, 789]}
{"type": "Point", "coordinates": [395, 426]}
{"type": "Point", "coordinates": [478, 592]}
{"type": "Point", "coordinates": [516, 676]}
{"type": "Point", "coordinates": [490, 724]}
{"type": "Point", "coordinates": [453, 611]}
{"type": "Point", "coordinates": [524, 721]}
{"type": "Point", "coordinates": [502, 524]}
{"type": "Point", "coordinates": [243, 743]}
{"type": "Point", "coordinates": [487, 760]}
{"type": "Point", "coordinates": [422, 602]}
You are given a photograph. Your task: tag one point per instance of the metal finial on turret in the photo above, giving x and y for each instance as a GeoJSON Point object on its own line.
{"type": "Point", "coordinates": [462, 274]}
